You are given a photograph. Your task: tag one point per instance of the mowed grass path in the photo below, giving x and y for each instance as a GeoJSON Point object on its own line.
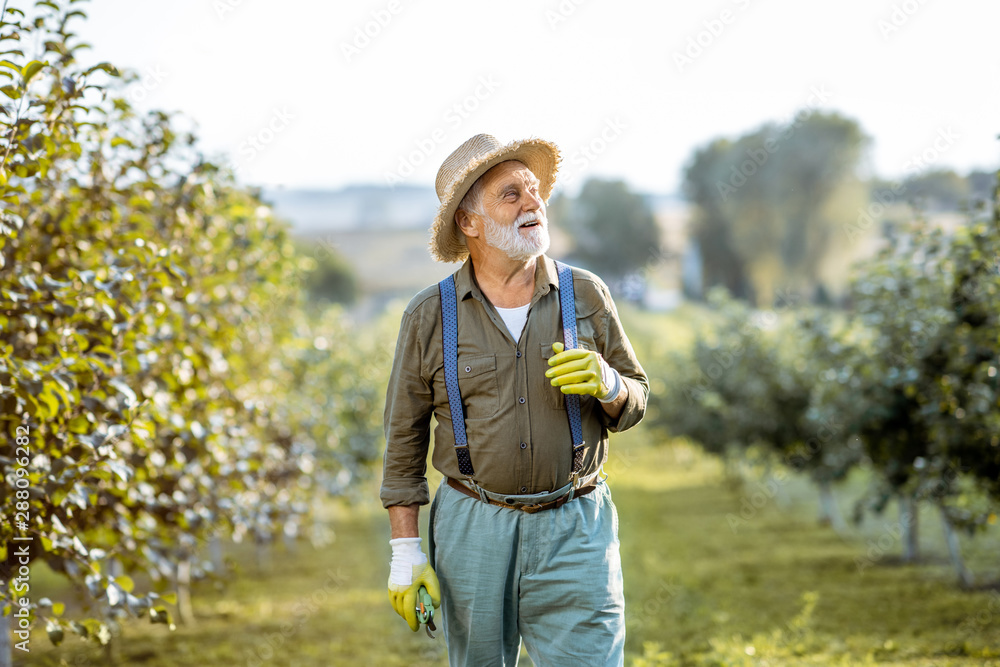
{"type": "Point", "coordinates": [697, 593]}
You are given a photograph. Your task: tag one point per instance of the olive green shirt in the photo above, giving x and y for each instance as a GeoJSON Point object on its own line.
{"type": "Point", "coordinates": [518, 430]}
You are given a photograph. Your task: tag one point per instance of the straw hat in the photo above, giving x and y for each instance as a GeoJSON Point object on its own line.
{"type": "Point", "coordinates": [470, 161]}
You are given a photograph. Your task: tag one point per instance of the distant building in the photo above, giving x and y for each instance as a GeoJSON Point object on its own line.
{"type": "Point", "coordinates": [671, 275]}
{"type": "Point", "coordinates": [383, 233]}
{"type": "Point", "coordinates": [357, 207]}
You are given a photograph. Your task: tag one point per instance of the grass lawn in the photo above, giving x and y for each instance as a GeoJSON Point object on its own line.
{"type": "Point", "coordinates": [777, 590]}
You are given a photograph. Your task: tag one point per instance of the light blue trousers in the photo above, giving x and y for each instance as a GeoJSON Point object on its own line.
{"type": "Point", "coordinates": [553, 578]}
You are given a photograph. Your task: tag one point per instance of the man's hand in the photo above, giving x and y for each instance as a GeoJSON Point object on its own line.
{"type": "Point", "coordinates": [578, 371]}
{"type": "Point", "coordinates": [409, 571]}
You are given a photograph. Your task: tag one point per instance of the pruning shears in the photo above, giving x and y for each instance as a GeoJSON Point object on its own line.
{"type": "Point", "coordinates": [425, 611]}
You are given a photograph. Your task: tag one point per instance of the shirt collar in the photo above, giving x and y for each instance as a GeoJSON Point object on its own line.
{"type": "Point", "coordinates": [546, 278]}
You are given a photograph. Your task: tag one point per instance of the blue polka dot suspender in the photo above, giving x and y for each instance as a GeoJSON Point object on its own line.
{"type": "Point", "coordinates": [567, 304]}
{"type": "Point", "coordinates": [449, 335]}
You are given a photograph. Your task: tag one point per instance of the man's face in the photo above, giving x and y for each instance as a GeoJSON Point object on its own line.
{"type": "Point", "coordinates": [514, 221]}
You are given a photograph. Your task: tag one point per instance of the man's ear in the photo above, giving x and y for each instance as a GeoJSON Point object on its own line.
{"type": "Point", "coordinates": [466, 222]}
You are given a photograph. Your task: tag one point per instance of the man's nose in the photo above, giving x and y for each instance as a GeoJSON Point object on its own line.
{"type": "Point", "coordinates": [533, 202]}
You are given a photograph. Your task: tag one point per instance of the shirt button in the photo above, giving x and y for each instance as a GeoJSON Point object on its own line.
{"type": "Point", "coordinates": [524, 445]}
{"type": "Point", "coordinates": [521, 400]}
{"type": "Point", "coordinates": [519, 354]}
{"type": "Point", "coordinates": [524, 489]}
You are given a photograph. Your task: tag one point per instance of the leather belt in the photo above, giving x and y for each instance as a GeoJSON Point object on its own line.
{"type": "Point", "coordinates": [527, 508]}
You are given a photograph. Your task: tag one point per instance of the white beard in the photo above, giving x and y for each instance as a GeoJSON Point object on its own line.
{"type": "Point", "coordinates": [509, 240]}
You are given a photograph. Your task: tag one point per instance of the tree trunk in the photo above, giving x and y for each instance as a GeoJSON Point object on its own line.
{"type": "Point", "coordinates": [829, 512]}
{"type": "Point", "coordinates": [908, 524]}
{"type": "Point", "coordinates": [185, 612]}
{"type": "Point", "coordinates": [111, 648]}
{"type": "Point", "coordinates": [965, 578]}
{"type": "Point", "coordinates": [215, 553]}
{"type": "Point", "coordinates": [6, 645]}
{"type": "Point", "coordinates": [732, 473]}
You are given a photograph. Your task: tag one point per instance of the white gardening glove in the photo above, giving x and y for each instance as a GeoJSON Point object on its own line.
{"type": "Point", "coordinates": [407, 573]}
{"type": "Point", "coordinates": [610, 378]}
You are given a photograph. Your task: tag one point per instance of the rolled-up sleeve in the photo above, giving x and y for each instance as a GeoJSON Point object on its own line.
{"type": "Point", "coordinates": [619, 354]}
{"type": "Point", "coordinates": [409, 404]}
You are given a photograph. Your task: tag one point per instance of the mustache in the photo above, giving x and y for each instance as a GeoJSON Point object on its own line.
{"type": "Point", "coordinates": [529, 216]}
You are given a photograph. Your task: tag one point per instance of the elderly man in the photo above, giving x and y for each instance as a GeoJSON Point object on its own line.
{"type": "Point", "coordinates": [526, 368]}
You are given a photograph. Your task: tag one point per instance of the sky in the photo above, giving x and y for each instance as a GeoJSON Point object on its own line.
{"type": "Point", "coordinates": [313, 93]}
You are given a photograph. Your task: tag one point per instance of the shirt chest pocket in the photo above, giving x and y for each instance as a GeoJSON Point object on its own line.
{"type": "Point", "coordinates": [553, 396]}
{"type": "Point", "coordinates": [477, 378]}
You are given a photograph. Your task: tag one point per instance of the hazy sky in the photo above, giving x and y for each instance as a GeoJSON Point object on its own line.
{"type": "Point", "coordinates": [314, 93]}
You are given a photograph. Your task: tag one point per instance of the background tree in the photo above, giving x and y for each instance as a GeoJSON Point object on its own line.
{"type": "Point", "coordinates": [722, 263]}
{"type": "Point", "coordinates": [159, 378]}
{"type": "Point", "coordinates": [982, 185]}
{"type": "Point", "coordinates": [748, 390]}
{"type": "Point", "coordinates": [329, 277]}
{"type": "Point", "coordinates": [937, 190]}
{"type": "Point", "coordinates": [771, 205]}
{"type": "Point", "coordinates": [613, 229]}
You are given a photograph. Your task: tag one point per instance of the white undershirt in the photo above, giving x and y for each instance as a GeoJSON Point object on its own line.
{"type": "Point", "coordinates": [515, 319]}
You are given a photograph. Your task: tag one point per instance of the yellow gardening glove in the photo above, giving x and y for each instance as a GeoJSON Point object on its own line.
{"type": "Point", "coordinates": [404, 598]}
{"type": "Point", "coordinates": [410, 570]}
{"type": "Point", "coordinates": [577, 371]}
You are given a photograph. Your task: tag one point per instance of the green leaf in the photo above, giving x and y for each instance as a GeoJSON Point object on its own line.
{"type": "Point", "coordinates": [55, 632]}
{"type": "Point", "coordinates": [126, 583]}
{"type": "Point", "coordinates": [31, 69]}
{"type": "Point", "coordinates": [160, 615]}
{"type": "Point", "coordinates": [51, 402]}
{"type": "Point", "coordinates": [11, 92]}
{"type": "Point", "coordinates": [107, 67]}
{"type": "Point", "coordinates": [58, 608]}
{"type": "Point", "coordinates": [79, 424]}
{"type": "Point", "coordinates": [58, 496]}
{"type": "Point", "coordinates": [79, 628]}
{"type": "Point", "coordinates": [124, 389]}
